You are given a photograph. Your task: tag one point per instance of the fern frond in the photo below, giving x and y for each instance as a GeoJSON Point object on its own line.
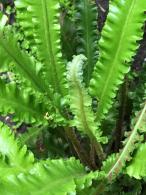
{"type": "Point", "coordinates": [114, 164]}
{"type": "Point", "coordinates": [81, 103]}
{"type": "Point", "coordinates": [42, 19]}
{"type": "Point", "coordinates": [137, 168]}
{"type": "Point", "coordinates": [118, 44]}
{"type": "Point", "coordinates": [87, 36]}
{"type": "Point", "coordinates": [51, 177]}
{"type": "Point", "coordinates": [22, 103]}
{"type": "Point", "coordinates": [25, 64]}
{"type": "Point", "coordinates": [15, 156]}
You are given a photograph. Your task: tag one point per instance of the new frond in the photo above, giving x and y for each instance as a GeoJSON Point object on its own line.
{"type": "Point", "coordinates": [81, 102]}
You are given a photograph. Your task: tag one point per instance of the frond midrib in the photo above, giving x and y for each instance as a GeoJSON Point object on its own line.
{"type": "Point", "coordinates": [128, 16]}
{"type": "Point", "coordinates": [31, 76]}
{"type": "Point", "coordinates": [5, 100]}
{"type": "Point", "coordinates": [49, 46]}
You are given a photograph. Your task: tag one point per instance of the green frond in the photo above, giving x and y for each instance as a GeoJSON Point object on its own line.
{"type": "Point", "coordinates": [87, 34]}
{"type": "Point", "coordinates": [137, 168]}
{"type": "Point", "coordinates": [118, 44]}
{"type": "Point", "coordinates": [109, 162]}
{"type": "Point", "coordinates": [15, 156]}
{"type": "Point", "coordinates": [10, 52]}
{"type": "Point", "coordinates": [42, 19]}
{"type": "Point", "coordinates": [51, 177]}
{"type": "Point", "coordinates": [130, 144]}
{"type": "Point", "coordinates": [81, 102]}
{"type": "Point", "coordinates": [25, 106]}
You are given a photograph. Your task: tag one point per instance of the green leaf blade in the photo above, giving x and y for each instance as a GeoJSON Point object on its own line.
{"type": "Point", "coordinates": [43, 21]}
{"type": "Point", "coordinates": [118, 45]}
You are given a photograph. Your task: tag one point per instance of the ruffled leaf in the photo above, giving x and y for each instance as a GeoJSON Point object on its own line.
{"type": "Point", "coordinates": [51, 177]}
{"type": "Point", "coordinates": [15, 156]}
{"type": "Point", "coordinates": [10, 52]}
{"type": "Point", "coordinates": [81, 102]}
{"type": "Point", "coordinates": [41, 21]}
{"type": "Point", "coordinates": [137, 167]}
{"type": "Point", "coordinates": [130, 144]}
{"type": "Point", "coordinates": [24, 105]}
{"type": "Point", "coordinates": [118, 44]}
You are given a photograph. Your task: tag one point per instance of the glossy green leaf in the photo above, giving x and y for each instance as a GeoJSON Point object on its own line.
{"type": "Point", "coordinates": [51, 177]}
{"type": "Point", "coordinates": [25, 106]}
{"type": "Point", "coordinates": [118, 44]}
{"type": "Point", "coordinates": [15, 155]}
{"type": "Point", "coordinates": [25, 64]}
{"type": "Point", "coordinates": [40, 19]}
{"type": "Point", "coordinates": [137, 167]}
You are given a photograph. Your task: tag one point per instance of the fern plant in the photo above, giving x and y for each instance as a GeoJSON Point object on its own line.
{"type": "Point", "coordinates": [66, 105]}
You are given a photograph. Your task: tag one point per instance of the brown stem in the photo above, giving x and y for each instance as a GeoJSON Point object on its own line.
{"type": "Point", "coordinates": [93, 156]}
{"type": "Point", "coordinates": [78, 147]}
{"type": "Point", "coordinates": [122, 109]}
{"type": "Point", "coordinates": [99, 150]}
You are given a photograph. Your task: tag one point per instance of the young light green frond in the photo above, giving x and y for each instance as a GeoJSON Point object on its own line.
{"type": "Point", "coordinates": [51, 177]}
{"type": "Point", "coordinates": [87, 36]}
{"type": "Point", "coordinates": [15, 156]}
{"type": "Point", "coordinates": [25, 65]}
{"type": "Point", "coordinates": [22, 103]}
{"type": "Point", "coordinates": [42, 18]}
{"type": "Point", "coordinates": [118, 44]}
{"type": "Point", "coordinates": [81, 102]}
{"type": "Point", "coordinates": [137, 168]}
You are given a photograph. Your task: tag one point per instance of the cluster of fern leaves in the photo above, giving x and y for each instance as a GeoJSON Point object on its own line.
{"type": "Point", "coordinates": [74, 91]}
